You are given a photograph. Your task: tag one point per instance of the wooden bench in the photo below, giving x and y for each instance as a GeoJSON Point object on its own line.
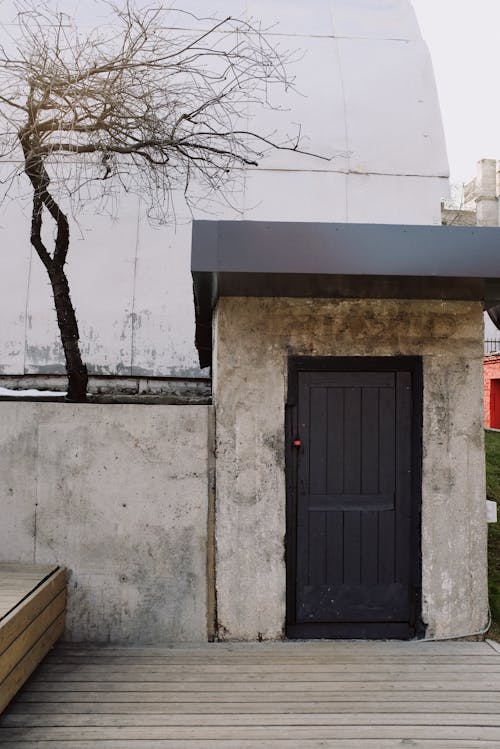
{"type": "Point", "coordinates": [32, 612]}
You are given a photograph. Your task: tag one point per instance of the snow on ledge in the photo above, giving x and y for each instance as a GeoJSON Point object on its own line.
{"type": "Point", "coordinates": [7, 392]}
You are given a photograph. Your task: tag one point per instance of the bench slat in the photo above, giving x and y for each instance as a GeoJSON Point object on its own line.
{"type": "Point", "coordinates": [20, 646]}
{"type": "Point", "coordinates": [16, 678]}
{"type": "Point", "coordinates": [32, 613]}
{"type": "Point", "coordinates": [39, 570]}
{"type": "Point", "coordinates": [21, 616]}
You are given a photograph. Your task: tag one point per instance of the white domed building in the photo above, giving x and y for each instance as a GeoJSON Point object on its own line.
{"type": "Point", "coordinates": [364, 97]}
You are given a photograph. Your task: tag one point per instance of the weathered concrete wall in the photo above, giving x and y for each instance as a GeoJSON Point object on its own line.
{"type": "Point", "coordinates": [118, 494]}
{"type": "Point", "coordinates": [254, 339]}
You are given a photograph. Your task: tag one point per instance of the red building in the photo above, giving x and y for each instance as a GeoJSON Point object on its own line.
{"type": "Point", "coordinates": [492, 391]}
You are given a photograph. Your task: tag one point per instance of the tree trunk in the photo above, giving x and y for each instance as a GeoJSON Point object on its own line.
{"type": "Point", "coordinates": [68, 328]}
{"type": "Point", "coordinates": [54, 265]}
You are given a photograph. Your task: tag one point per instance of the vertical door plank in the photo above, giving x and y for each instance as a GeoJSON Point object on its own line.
{"type": "Point", "coordinates": [387, 526]}
{"type": "Point", "coordinates": [304, 420]}
{"type": "Point", "coordinates": [352, 548]}
{"type": "Point", "coordinates": [403, 475]}
{"type": "Point", "coordinates": [318, 440]}
{"type": "Point", "coordinates": [386, 559]}
{"type": "Point", "coordinates": [370, 440]}
{"type": "Point", "coordinates": [387, 440]}
{"type": "Point", "coordinates": [369, 547]}
{"type": "Point", "coordinates": [352, 440]}
{"type": "Point", "coordinates": [335, 460]}
{"type": "Point", "coordinates": [317, 548]}
{"type": "Point", "coordinates": [335, 547]}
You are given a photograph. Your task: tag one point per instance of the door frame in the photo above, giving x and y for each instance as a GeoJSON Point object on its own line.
{"type": "Point", "coordinates": [297, 364]}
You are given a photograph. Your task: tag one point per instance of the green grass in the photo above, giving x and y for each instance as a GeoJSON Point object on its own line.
{"type": "Point", "coordinates": [493, 492]}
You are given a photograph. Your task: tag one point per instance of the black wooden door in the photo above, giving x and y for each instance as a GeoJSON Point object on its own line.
{"type": "Point", "coordinates": [353, 469]}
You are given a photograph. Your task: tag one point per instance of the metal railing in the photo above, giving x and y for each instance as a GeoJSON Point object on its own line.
{"type": "Point", "coordinates": [492, 346]}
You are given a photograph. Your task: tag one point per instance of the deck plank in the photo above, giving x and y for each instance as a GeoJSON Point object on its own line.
{"type": "Point", "coordinates": [340, 695]}
{"type": "Point", "coordinates": [379, 718]}
{"type": "Point", "coordinates": [222, 687]}
{"type": "Point", "coordinates": [261, 708]}
{"type": "Point", "coordinates": [265, 674]}
{"type": "Point", "coordinates": [134, 697]}
{"type": "Point", "coordinates": [255, 732]}
{"type": "Point", "coordinates": [262, 744]}
{"type": "Point", "coordinates": [284, 696]}
{"type": "Point", "coordinates": [55, 663]}
{"type": "Point", "coordinates": [297, 649]}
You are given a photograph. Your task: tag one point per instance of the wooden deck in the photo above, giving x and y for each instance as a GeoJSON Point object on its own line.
{"type": "Point", "coordinates": [261, 696]}
{"type": "Point", "coordinates": [32, 607]}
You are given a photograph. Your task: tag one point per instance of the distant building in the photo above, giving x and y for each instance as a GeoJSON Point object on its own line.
{"type": "Point", "coordinates": [492, 391]}
{"type": "Point", "coordinates": [479, 202]}
{"type": "Point", "coordinates": [479, 205]}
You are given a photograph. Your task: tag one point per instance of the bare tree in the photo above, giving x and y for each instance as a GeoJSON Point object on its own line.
{"type": "Point", "coordinates": [455, 210]}
{"type": "Point", "coordinates": [137, 105]}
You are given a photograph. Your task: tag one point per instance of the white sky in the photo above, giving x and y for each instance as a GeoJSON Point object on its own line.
{"type": "Point", "coordinates": [464, 40]}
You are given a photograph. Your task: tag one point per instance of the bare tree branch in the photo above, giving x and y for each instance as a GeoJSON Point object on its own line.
{"type": "Point", "coordinates": [137, 105]}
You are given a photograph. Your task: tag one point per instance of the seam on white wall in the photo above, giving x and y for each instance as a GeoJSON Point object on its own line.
{"type": "Point", "coordinates": [296, 35]}
{"type": "Point", "coordinates": [26, 310]}
{"type": "Point", "coordinates": [132, 332]}
{"type": "Point", "coordinates": [355, 172]}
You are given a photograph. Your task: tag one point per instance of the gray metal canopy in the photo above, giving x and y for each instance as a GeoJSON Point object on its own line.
{"type": "Point", "coordinates": [262, 258]}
